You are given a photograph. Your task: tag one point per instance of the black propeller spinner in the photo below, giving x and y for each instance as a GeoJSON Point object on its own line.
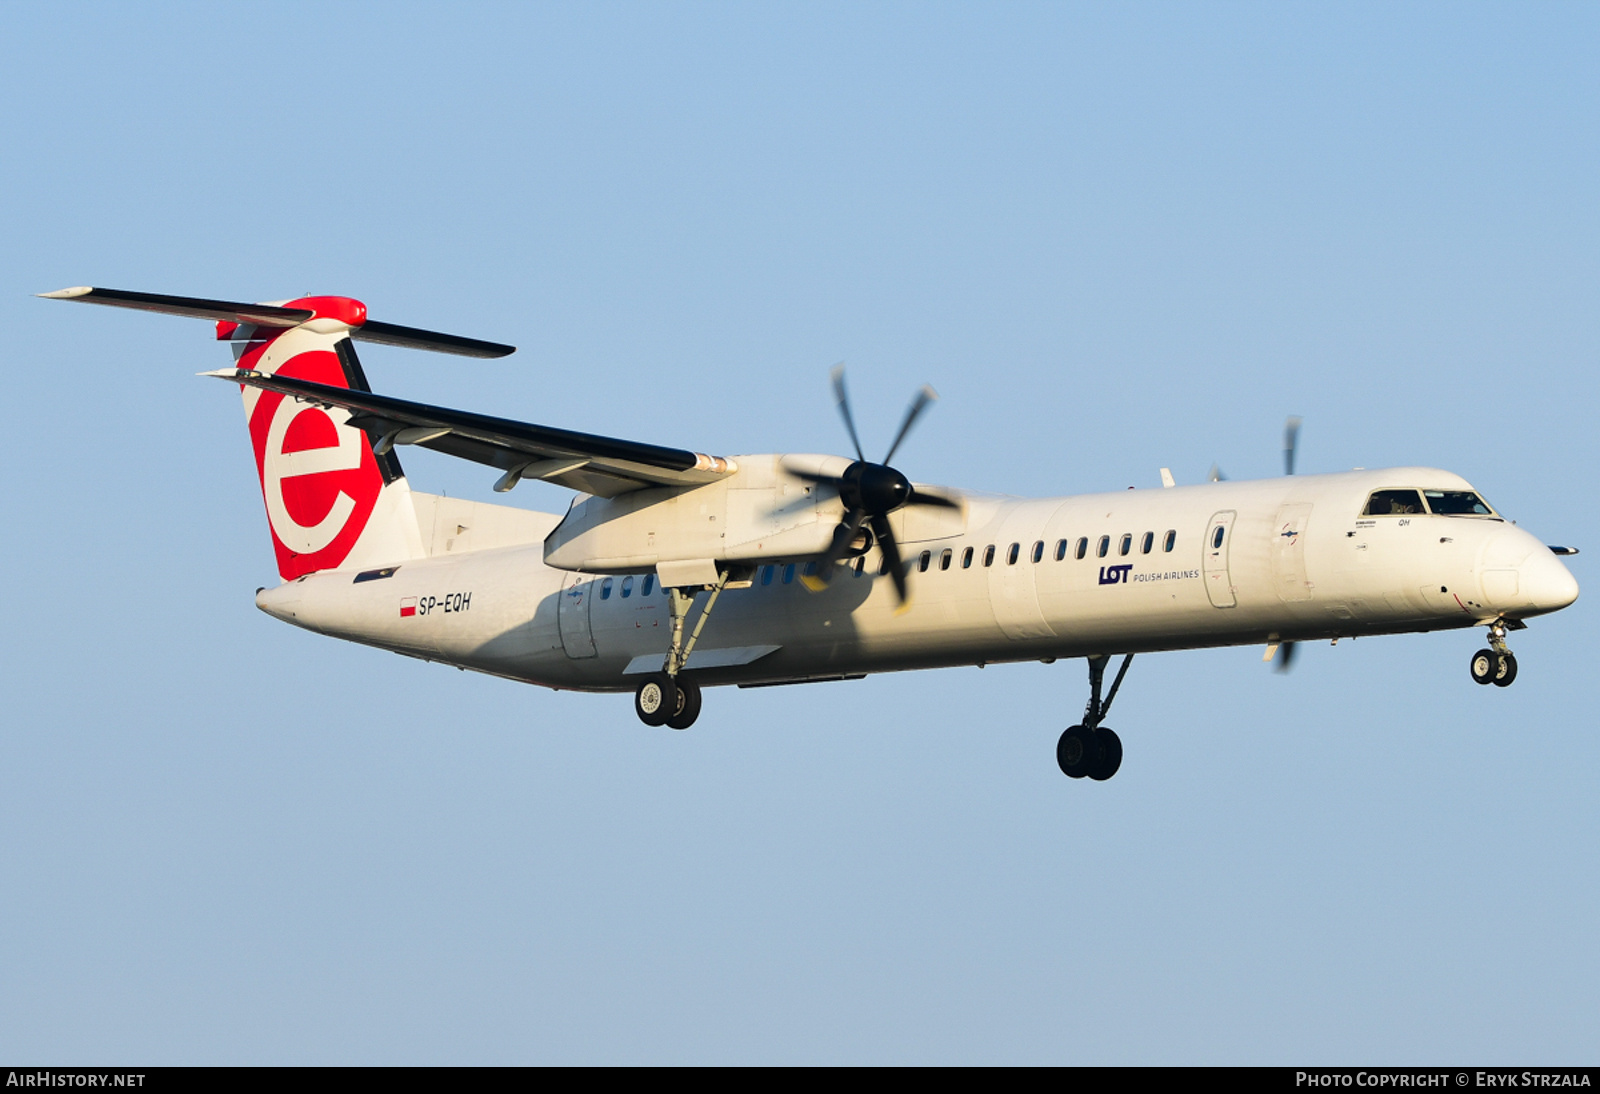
{"type": "Point", "coordinates": [870, 492]}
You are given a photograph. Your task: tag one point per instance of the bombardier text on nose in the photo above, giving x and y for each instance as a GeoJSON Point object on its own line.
{"type": "Point", "coordinates": [674, 570]}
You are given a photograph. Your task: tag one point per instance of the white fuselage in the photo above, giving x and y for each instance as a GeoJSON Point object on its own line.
{"type": "Point", "coordinates": [1227, 563]}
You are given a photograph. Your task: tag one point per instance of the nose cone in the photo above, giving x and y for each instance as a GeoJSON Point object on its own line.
{"type": "Point", "coordinates": [1544, 584]}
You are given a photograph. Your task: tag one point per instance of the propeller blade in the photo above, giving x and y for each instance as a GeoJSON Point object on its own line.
{"type": "Point", "coordinates": [918, 405]}
{"type": "Point", "coordinates": [842, 397]}
{"type": "Point", "coordinates": [891, 558]}
{"type": "Point", "coordinates": [842, 536]}
{"type": "Point", "coordinates": [1285, 657]}
{"type": "Point", "coordinates": [1291, 440]}
{"type": "Point", "coordinates": [1216, 475]}
{"type": "Point", "coordinates": [918, 498]}
{"type": "Point", "coordinates": [812, 476]}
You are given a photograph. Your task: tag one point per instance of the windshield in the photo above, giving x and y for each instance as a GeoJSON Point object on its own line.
{"type": "Point", "coordinates": [1457, 503]}
{"type": "Point", "coordinates": [1387, 503]}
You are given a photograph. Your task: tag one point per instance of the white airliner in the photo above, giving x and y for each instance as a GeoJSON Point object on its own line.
{"type": "Point", "coordinates": [673, 571]}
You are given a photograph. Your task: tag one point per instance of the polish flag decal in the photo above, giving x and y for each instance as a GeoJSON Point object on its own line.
{"type": "Point", "coordinates": [408, 607]}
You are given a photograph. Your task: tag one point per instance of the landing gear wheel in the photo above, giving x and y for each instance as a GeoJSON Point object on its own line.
{"type": "Point", "coordinates": [656, 700]}
{"type": "Point", "coordinates": [688, 705]}
{"type": "Point", "coordinates": [1109, 756]}
{"type": "Point", "coordinates": [1485, 663]}
{"type": "Point", "coordinates": [1505, 670]}
{"type": "Point", "coordinates": [1077, 752]}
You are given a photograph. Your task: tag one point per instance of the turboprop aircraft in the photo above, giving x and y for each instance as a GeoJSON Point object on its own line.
{"type": "Point", "coordinates": [801, 568]}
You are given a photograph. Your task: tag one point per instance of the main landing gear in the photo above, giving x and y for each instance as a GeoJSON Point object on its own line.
{"type": "Point", "coordinates": [663, 700]}
{"type": "Point", "coordinates": [667, 698]}
{"type": "Point", "coordinates": [1091, 749]}
{"type": "Point", "coordinates": [1496, 665]}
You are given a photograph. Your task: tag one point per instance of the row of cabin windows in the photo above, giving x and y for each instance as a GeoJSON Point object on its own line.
{"type": "Point", "coordinates": [1063, 547]}
{"type": "Point", "coordinates": [786, 573]}
{"type": "Point", "coordinates": [646, 587]}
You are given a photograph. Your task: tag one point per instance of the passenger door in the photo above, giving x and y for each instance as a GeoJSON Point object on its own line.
{"type": "Point", "coordinates": [1219, 583]}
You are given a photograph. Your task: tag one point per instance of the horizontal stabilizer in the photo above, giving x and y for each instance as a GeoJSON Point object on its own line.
{"type": "Point", "coordinates": [393, 334]}
{"type": "Point", "coordinates": [271, 315]}
{"type": "Point", "coordinates": [194, 307]}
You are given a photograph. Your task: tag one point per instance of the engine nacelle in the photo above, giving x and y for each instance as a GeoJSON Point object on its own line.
{"type": "Point", "coordinates": [760, 513]}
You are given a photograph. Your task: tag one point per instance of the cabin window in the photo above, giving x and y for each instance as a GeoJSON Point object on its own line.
{"type": "Point", "coordinates": [945, 558]}
{"type": "Point", "coordinates": [1393, 503]}
{"type": "Point", "coordinates": [1457, 503]}
{"type": "Point", "coordinates": [1038, 551]}
{"type": "Point", "coordinates": [988, 555]}
{"type": "Point", "coordinates": [788, 573]}
{"type": "Point", "coordinates": [1126, 545]}
{"type": "Point", "coordinates": [627, 586]}
{"type": "Point", "coordinates": [1061, 550]}
{"type": "Point", "coordinates": [923, 560]}
{"type": "Point", "coordinates": [1171, 540]}
{"type": "Point", "coordinates": [650, 583]}
{"type": "Point", "coordinates": [966, 559]}
{"type": "Point", "coordinates": [766, 575]}
{"type": "Point", "coordinates": [1147, 542]}
{"type": "Point", "coordinates": [1104, 546]}
{"type": "Point", "coordinates": [861, 564]}
{"type": "Point", "coordinates": [605, 589]}
{"type": "Point", "coordinates": [1083, 546]}
{"type": "Point", "coordinates": [1011, 555]}
{"type": "Point", "coordinates": [809, 569]}
{"type": "Point", "coordinates": [1216, 537]}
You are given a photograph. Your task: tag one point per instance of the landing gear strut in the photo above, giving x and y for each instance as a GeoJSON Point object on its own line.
{"type": "Point", "coordinates": [1091, 749]}
{"type": "Point", "coordinates": [1496, 665]}
{"type": "Point", "coordinates": [666, 697]}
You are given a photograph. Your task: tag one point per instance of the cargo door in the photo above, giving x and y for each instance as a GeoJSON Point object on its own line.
{"type": "Point", "coordinates": [576, 637]}
{"type": "Point", "coordinates": [1289, 553]}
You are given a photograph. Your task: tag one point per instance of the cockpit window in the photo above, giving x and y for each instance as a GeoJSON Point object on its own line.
{"type": "Point", "coordinates": [1393, 503]}
{"type": "Point", "coordinates": [1457, 503]}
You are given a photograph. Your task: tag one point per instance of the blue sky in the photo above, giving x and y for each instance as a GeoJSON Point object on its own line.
{"type": "Point", "coordinates": [1113, 237]}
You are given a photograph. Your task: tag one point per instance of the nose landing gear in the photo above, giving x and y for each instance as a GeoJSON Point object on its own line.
{"type": "Point", "coordinates": [1091, 749]}
{"type": "Point", "coordinates": [1496, 665]}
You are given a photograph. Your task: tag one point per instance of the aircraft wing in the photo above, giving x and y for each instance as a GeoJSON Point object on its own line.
{"type": "Point", "coordinates": [605, 466]}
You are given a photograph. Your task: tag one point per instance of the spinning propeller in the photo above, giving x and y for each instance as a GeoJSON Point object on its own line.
{"type": "Point", "coordinates": [1291, 441]}
{"type": "Point", "coordinates": [870, 492]}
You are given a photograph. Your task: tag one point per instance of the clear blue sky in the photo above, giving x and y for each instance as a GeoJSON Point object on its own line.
{"type": "Point", "coordinates": [1114, 238]}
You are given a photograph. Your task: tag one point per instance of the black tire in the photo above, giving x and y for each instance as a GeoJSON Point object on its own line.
{"type": "Point", "coordinates": [688, 705]}
{"type": "Point", "coordinates": [1506, 670]}
{"type": "Point", "coordinates": [1484, 665]}
{"type": "Point", "coordinates": [1077, 751]}
{"type": "Point", "coordinates": [1110, 755]}
{"type": "Point", "coordinates": [655, 699]}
